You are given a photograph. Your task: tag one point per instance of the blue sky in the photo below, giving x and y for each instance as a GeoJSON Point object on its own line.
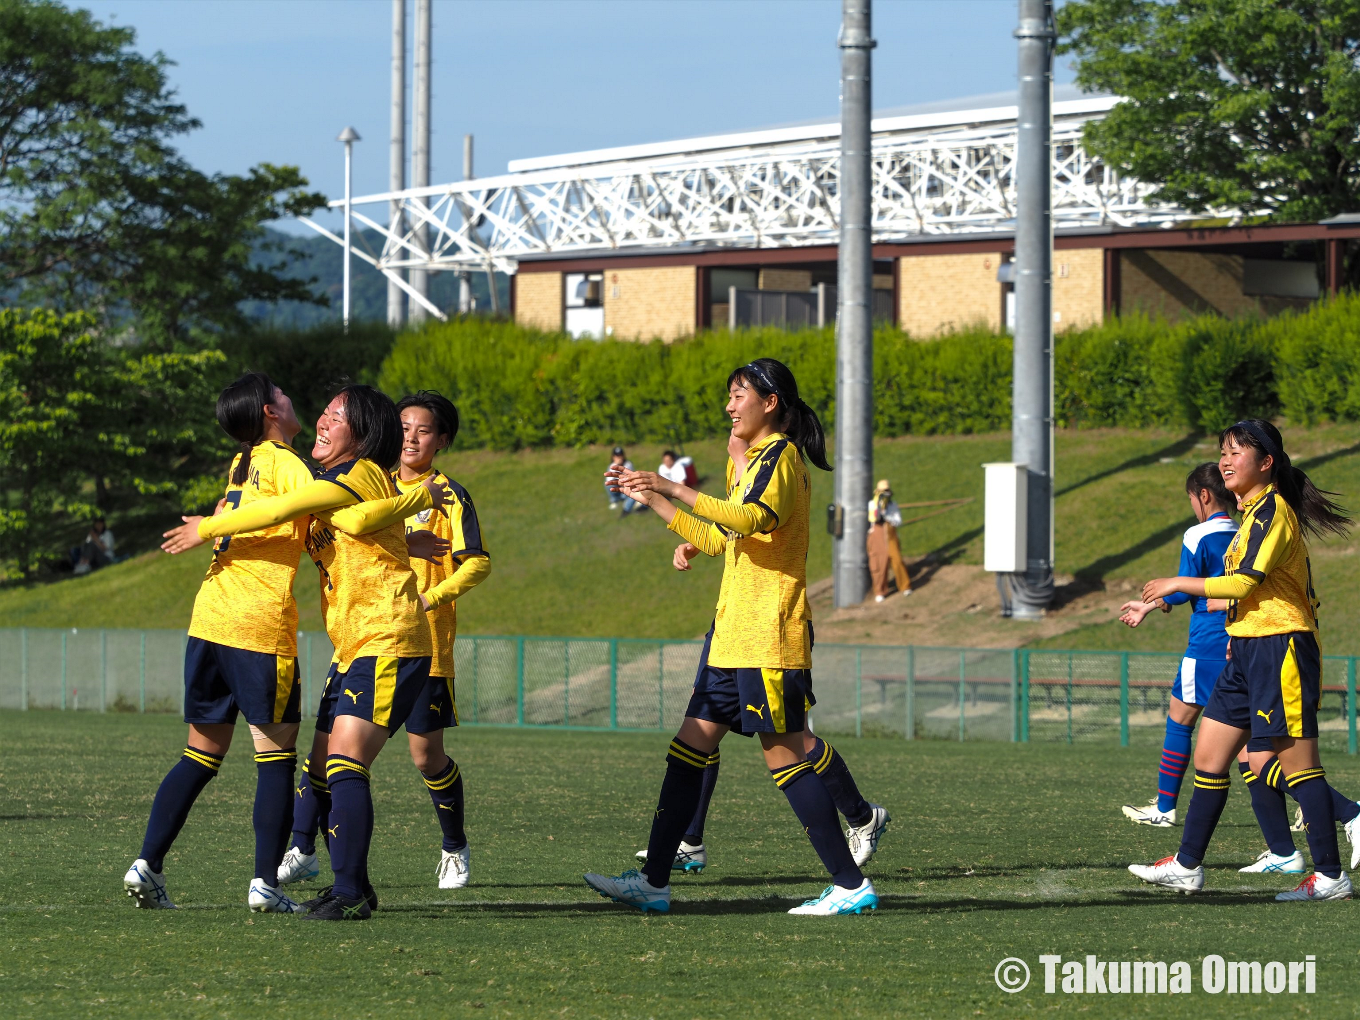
{"type": "Point", "coordinates": [276, 80]}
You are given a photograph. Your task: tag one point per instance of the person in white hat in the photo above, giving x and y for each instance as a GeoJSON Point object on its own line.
{"type": "Point", "coordinates": [885, 552]}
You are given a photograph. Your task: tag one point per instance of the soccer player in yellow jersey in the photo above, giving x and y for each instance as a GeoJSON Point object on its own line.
{"type": "Point", "coordinates": [371, 604]}
{"type": "Point", "coordinates": [755, 674]}
{"type": "Point", "coordinates": [1272, 683]}
{"type": "Point", "coordinates": [429, 423]}
{"type": "Point", "coordinates": [241, 656]}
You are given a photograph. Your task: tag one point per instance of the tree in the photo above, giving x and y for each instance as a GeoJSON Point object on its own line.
{"type": "Point", "coordinates": [97, 209]}
{"type": "Point", "coordinates": [1249, 105]}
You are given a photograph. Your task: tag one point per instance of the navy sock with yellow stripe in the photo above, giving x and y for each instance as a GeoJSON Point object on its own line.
{"type": "Point", "coordinates": [1343, 808]}
{"type": "Point", "coordinates": [694, 835]}
{"type": "Point", "coordinates": [685, 767]}
{"type": "Point", "coordinates": [175, 796]}
{"type": "Point", "coordinates": [836, 777]}
{"type": "Point", "coordinates": [1206, 807]}
{"type": "Point", "coordinates": [1309, 787]}
{"type": "Point", "coordinates": [272, 819]}
{"type": "Point", "coordinates": [1267, 803]}
{"type": "Point", "coordinates": [446, 790]}
{"type": "Point", "coordinates": [817, 812]}
{"type": "Point", "coordinates": [311, 808]}
{"type": "Point", "coordinates": [350, 824]}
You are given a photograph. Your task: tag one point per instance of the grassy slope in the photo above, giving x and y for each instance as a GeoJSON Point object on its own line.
{"type": "Point", "coordinates": [976, 869]}
{"type": "Point", "coordinates": [564, 565]}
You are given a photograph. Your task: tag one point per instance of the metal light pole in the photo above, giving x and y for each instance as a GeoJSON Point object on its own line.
{"type": "Point", "coordinates": [465, 278]}
{"type": "Point", "coordinates": [1032, 385]}
{"type": "Point", "coordinates": [854, 322]}
{"type": "Point", "coordinates": [420, 146]}
{"type": "Point", "coordinates": [396, 181]}
{"type": "Point", "coordinates": [349, 136]}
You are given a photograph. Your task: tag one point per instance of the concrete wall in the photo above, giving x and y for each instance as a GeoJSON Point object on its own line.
{"type": "Point", "coordinates": [538, 300]}
{"type": "Point", "coordinates": [940, 293]}
{"type": "Point", "coordinates": [1178, 284]}
{"type": "Point", "coordinates": [1078, 288]}
{"type": "Point", "coordinates": [642, 304]}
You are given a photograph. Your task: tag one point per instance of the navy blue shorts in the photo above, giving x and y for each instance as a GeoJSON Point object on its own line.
{"type": "Point", "coordinates": [380, 688]}
{"type": "Point", "coordinates": [1271, 685]}
{"type": "Point", "coordinates": [220, 681]}
{"type": "Point", "coordinates": [751, 701]}
{"type": "Point", "coordinates": [435, 709]}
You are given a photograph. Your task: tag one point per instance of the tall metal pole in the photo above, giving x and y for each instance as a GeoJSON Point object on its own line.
{"type": "Point", "coordinates": [420, 148]}
{"type": "Point", "coordinates": [1032, 386]}
{"type": "Point", "coordinates": [349, 136]}
{"type": "Point", "coordinates": [464, 277]}
{"type": "Point", "coordinates": [854, 321]}
{"type": "Point", "coordinates": [396, 181]}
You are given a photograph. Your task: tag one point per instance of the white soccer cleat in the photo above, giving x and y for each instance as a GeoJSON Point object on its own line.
{"type": "Point", "coordinates": [1270, 862]}
{"type": "Point", "coordinates": [1319, 887]}
{"type": "Point", "coordinates": [633, 889]}
{"type": "Point", "coordinates": [147, 887]}
{"type": "Point", "coordinates": [690, 857]}
{"type": "Point", "coordinates": [863, 839]}
{"type": "Point", "coordinates": [836, 900]}
{"type": "Point", "coordinates": [263, 898]}
{"type": "Point", "coordinates": [297, 867]}
{"type": "Point", "coordinates": [1169, 874]}
{"type": "Point", "coordinates": [455, 868]}
{"type": "Point", "coordinates": [1353, 835]}
{"type": "Point", "coordinates": [1299, 825]}
{"type": "Point", "coordinates": [1150, 815]}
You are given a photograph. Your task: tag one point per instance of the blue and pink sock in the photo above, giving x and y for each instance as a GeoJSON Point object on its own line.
{"type": "Point", "coordinates": [1175, 760]}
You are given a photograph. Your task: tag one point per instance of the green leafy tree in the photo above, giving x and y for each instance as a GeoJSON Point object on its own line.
{"type": "Point", "coordinates": [97, 209]}
{"type": "Point", "coordinates": [1242, 104]}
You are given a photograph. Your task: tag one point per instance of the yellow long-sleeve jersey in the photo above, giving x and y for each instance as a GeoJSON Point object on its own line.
{"type": "Point", "coordinates": [763, 529]}
{"type": "Point", "coordinates": [466, 565]}
{"type": "Point", "coordinates": [246, 598]}
{"type": "Point", "coordinates": [1269, 578]}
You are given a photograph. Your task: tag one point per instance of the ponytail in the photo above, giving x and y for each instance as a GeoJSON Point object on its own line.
{"type": "Point", "coordinates": [240, 412]}
{"type": "Point", "coordinates": [1316, 512]}
{"type": "Point", "coordinates": [798, 420]}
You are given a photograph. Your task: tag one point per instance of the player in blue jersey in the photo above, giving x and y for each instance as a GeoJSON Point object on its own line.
{"type": "Point", "coordinates": [1201, 556]}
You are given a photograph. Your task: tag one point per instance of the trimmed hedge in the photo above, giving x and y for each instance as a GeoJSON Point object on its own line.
{"type": "Point", "coordinates": [518, 387]}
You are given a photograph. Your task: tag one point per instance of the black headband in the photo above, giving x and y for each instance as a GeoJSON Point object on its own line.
{"type": "Point", "coordinates": [1263, 439]}
{"type": "Point", "coordinates": [758, 373]}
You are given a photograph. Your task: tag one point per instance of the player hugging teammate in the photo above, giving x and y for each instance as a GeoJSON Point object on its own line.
{"type": "Point", "coordinates": [352, 518]}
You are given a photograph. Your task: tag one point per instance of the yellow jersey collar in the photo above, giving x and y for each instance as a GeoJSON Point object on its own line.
{"type": "Point", "coordinates": [396, 477]}
{"type": "Point", "coordinates": [1255, 501]}
{"type": "Point", "coordinates": [755, 450]}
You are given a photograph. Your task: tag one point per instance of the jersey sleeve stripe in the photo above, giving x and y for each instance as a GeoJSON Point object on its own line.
{"type": "Point", "coordinates": [764, 473]}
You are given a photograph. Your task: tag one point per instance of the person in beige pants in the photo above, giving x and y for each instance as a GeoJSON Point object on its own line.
{"type": "Point", "coordinates": [885, 553]}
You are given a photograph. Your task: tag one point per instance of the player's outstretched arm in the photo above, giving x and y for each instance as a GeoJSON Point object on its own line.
{"type": "Point", "coordinates": [376, 514]}
{"type": "Point", "coordinates": [1161, 586]}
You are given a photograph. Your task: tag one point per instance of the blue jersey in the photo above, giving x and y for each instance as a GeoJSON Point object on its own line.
{"type": "Point", "coordinates": [1202, 556]}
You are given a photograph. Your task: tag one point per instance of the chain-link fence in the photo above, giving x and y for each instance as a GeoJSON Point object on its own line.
{"type": "Point", "coordinates": [905, 691]}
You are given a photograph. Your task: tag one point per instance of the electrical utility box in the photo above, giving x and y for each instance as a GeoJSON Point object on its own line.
{"type": "Point", "coordinates": [1005, 547]}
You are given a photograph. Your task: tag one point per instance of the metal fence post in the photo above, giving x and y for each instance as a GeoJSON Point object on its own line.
{"type": "Point", "coordinates": [1069, 697]}
{"type": "Point", "coordinates": [963, 695]}
{"type": "Point", "coordinates": [519, 678]}
{"type": "Point", "coordinates": [23, 668]}
{"type": "Point", "coordinates": [307, 670]}
{"type": "Point", "coordinates": [660, 686]}
{"type": "Point", "coordinates": [476, 651]}
{"type": "Point", "coordinates": [613, 683]}
{"type": "Point", "coordinates": [566, 683]}
{"type": "Point", "coordinates": [911, 692]}
{"type": "Point", "coordinates": [63, 670]}
{"type": "Point", "coordinates": [183, 654]}
{"type": "Point", "coordinates": [103, 670]}
{"type": "Point", "coordinates": [1024, 697]}
{"type": "Point", "coordinates": [141, 684]}
{"type": "Point", "coordinates": [1015, 695]}
{"type": "Point", "coordinates": [859, 691]}
{"type": "Point", "coordinates": [1350, 705]}
{"type": "Point", "coordinates": [1123, 699]}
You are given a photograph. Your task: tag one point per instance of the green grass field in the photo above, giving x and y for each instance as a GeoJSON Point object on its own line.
{"type": "Point", "coordinates": [996, 851]}
{"type": "Point", "coordinates": [563, 564]}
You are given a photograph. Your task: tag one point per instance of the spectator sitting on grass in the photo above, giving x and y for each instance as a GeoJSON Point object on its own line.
{"type": "Point", "coordinates": [678, 469]}
{"type": "Point", "coordinates": [97, 551]}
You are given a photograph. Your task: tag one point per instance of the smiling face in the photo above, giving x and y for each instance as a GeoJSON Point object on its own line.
{"type": "Point", "coordinates": [334, 442]}
{"type": "Point", "coordinates": [420, 439]}
{"type": "Point", "coordinates": [753, 416]}
{"type": "Point", "coordinates": [1245, 469]}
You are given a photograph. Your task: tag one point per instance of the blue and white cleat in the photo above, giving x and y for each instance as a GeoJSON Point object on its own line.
{"type": "Point", "coordinates": [1169, 874]}
{"type": "Point", "coordinates": [691, 857]}
{"type": "Point", "coordinates": [836, 900]}
{"type": "Point", "coordinates": [633, 889]}
{"type": "Point", "coordinates": [1353, 836]}
{"type": "Point", "coordinates": [863, 839]}
{"type": "Point", "coordinates": [297, 867]}
{"type": "Point", "coordinates": [1269, 862]}
{"type": "Point", "coordinates": [147, 887]}
{"type": "Point", "coordinates": [263, 898]}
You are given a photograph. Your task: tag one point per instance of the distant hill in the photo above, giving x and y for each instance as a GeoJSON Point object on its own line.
{"type": "Point", "coordinates": [323, 259]}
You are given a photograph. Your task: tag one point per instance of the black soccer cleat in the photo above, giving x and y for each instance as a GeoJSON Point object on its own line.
{"type": "Point", "coordinates": [339, 908]}
{"type": "Point", "coordinates": [370, 895]}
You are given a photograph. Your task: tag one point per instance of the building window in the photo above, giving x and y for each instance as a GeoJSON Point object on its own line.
{"type": "Point", "coordinates": [584, 301]}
